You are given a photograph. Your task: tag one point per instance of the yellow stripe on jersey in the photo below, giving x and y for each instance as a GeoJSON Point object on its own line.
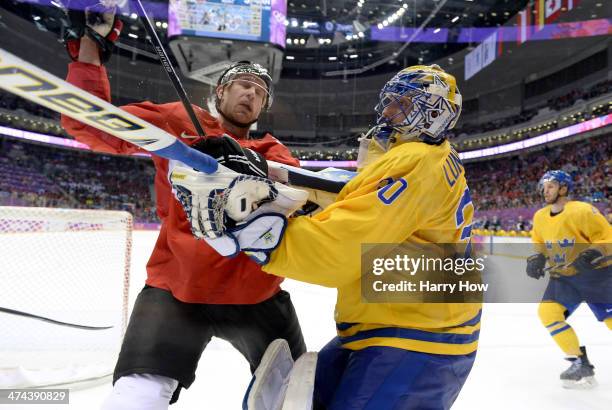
{"type": "Point", "coordinates": [415, 345]}
{"type": "Point", "coordinates": [362, 327]}
{"type": "Point", "coordinates": [461, 339]}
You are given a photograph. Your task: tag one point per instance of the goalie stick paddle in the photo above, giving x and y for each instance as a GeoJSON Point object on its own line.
{"type": "Point", "coordinates": [41, 87]}
{"type": "Point", "coordinates": [52, 321]}
{"type": "Point", "coordinates": [328, 180]}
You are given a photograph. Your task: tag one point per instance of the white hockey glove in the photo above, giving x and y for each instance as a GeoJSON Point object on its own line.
{"type": "Point", "coordinates": [234, 212]}
{"type": "Point", "coordinates": [214, 203]}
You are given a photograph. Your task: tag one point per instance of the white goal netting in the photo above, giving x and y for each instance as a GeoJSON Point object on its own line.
{"type": "Point", "coordinates": [68, 266]}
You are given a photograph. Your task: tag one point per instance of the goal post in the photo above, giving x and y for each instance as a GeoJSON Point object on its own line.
{"type": "Point", "coordinates": [64, 281]}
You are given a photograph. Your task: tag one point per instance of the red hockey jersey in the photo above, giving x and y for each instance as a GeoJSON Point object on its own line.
{"type": "Point", "coordinates": [187, 267]}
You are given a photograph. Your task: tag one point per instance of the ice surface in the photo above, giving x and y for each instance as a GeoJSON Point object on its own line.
{"type": "Point", "coordinates": [517, 366]}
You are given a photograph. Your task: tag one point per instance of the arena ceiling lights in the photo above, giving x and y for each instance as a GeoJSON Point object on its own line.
{"type": "Point", "coordinates": [391, 19]}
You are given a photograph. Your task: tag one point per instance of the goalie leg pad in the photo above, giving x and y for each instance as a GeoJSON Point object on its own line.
{"type": "Point", "coordinates": [141, 392]}
{"type": "Point", "coordinates": [267, 388]}
{"type": "Point", "coordinates": [301, 383]}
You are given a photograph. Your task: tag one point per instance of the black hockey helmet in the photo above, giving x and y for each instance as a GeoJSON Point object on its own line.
{"type": "Point", "coordinates": [247, 67]}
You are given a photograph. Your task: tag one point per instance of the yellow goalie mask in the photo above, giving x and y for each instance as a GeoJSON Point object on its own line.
{"type": "Point", "coordinates": [419, 102]}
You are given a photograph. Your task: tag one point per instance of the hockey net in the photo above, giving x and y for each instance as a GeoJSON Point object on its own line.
{"type": "Point", "coordinates": [69, 266]}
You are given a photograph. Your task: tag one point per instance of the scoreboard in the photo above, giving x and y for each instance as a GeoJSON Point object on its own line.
{"type": "Point", "coordinates": [251, 20]}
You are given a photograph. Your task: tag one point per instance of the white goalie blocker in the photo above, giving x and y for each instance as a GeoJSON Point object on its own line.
{"type": "Point", "coordinates": [240, 197]}
{"type": "Point", "coordinates": [279, 383]}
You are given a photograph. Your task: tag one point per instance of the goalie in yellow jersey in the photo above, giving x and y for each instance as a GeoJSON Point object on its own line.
{"type": "Point", "coordinates": [574, 238]}
{"type": "Point", "coordinates": [410, 187]}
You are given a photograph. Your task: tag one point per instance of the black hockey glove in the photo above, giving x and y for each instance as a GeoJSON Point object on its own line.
{"type": "Point", "coordinates": [229, 153]}
{"type": "Point", "coordinates": [585, 260]}
{"type": "Point", "coordinates": [535, 266]}
{"type": "Point", "coordinates": [98, 20]}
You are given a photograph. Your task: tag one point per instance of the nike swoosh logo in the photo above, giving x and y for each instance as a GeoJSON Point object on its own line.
{"type": "Point", "coordinates": [608, 310]}
{"type": "Point", "coordinates": [183, 135]}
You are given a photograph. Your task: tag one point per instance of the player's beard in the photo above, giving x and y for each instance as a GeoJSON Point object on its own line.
{"type": "Point", "coordinates": [232, 120]}
{"type": "Point", "coordinates": [554, 200]}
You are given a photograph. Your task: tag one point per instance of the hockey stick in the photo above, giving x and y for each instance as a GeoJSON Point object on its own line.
{"type": "Point", "coordinates": [37, 85]}
{"type": "Point", "coordinates": [163, 56]}
{"type": "Point", "coordinates": [597, 263]}
{"type": "Point", "coordinates": [41, 87]}
{"type": "Point", "coordinates": [328, 180]}
{"type": "Point", "coordinates": [553, 271]}
{"type": "Point", "coordinates": [602, 259]}
{"type": "Point", "coordinates": [52, 321]}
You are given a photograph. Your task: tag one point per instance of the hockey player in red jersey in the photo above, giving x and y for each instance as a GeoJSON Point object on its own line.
{"type": "Point", "coordinates": [191, 293]}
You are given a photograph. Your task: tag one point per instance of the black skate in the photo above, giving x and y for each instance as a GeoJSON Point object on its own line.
{"type": "Point", "coordinates": [581, 374]}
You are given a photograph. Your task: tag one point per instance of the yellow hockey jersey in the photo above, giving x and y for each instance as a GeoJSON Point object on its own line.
{"type": "Point", "coordinates": [414, 193]}
{"type": "Point", "coordinates": [563, 236]}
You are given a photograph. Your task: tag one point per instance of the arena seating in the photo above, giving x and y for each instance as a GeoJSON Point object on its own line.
{"type": "Point", "coordinates": [504, 190]}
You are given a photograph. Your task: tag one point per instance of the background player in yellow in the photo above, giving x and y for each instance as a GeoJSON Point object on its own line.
{"type": "Point", "coordinates": [574, 238]}
{"type": "Point", "coordinates": [411, 188]}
